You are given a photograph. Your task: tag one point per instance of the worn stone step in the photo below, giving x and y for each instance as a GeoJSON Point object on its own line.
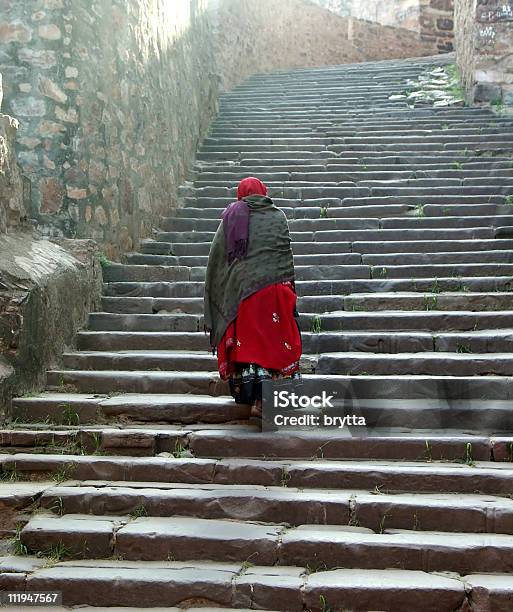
{"type": "Point", "coordinates": [181, 249]}
{"type": "Point", "coordinates": [432, 363]}
{"type": "Point", "coordinates": [465, 513]}
{"type": "Point", "coordinates": [148, 305]}
{"type": "Point", "coordinates": [387, 442]}
{"type": "Point", "coordinates": [426, 259]}
{"type": "Point", "coordinates": [319, 287]}
{"type": "Point", "coordinates": [313, 201]}
{"type": "Point", "coordinates": [418, 220]}
{"type": "Point", "coordinates": [429, 246]}
{"type": "Point", "coordinates": [478, 301]}
{"type": "Point", "coordinates": [299, 225]}
{"type": "Point", "coordinates": [366, 169]}
{"type": "Point", "coordinates": [331, 321]}
{"type": "Point", "coordinates": [167, 360]}
{"type": "Point", "coordinates": [448, 268]}
{"type": "Point", "coordinates": [74, 408]}
{"type": "Point", "coordinates": [384, 477]}
{"type": "Point", "coordinates": [412, 320]}
{"type": "Point", "coordinates": [331, 208]}
{"type": "Point", "coordinates": [168, 583]}
{"type": "Point", "coordinates": [385, 341]}
{"type": "Point", "coordinates": [340, 259]}
{"type": "Point", "coordinates": [232, 541]}
{"type": "Point", "coordinates": [208, 383]}
{"type": "Point", "coordinates": [153, 273]}
{"type": "Point", "coordinates": [366, 301]}
{"type": "Point", "coordinates": [134, 381]}
{"type": "Point", "coordinates": [348, 235]}
{"type": "Point", "coordinates": [219, 185]}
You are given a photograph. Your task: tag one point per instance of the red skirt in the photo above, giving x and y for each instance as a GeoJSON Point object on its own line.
{"type": "Point", "coordinates": [265, 333]}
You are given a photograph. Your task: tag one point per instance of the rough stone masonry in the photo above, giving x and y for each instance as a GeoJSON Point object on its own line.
{"type": "Point", "coordinates": [114, 97]}
{"type": "Point", "coordinates": [484, 42]}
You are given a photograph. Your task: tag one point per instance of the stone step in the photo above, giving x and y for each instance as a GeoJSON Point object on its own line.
{"type": "Point", "coordinates": [364, 168]}
{"type": "Point", "coordinates": [392, 129]}
{"type": "Point", "coordinates": [335, 114]}
{"type": "Point", "coordinates": [355, 163]}
{"type": "Point", "coordinates": [383, 235]}
{"type": "Point", "coordinates": [232, 541]}
{"type": "Point", "coordinates": [390, 125]}
{"type": "Point", "coordinates": [350, 354]}
{"type": "Point", "coordinates": [72, 409]}
{"type": "Point", "coordinates": [141, 432]}
{"type": "Point", "coordinates": [456, 513]}
{"type": "Point", "coordinates": [322, 271]}
{"type": "Point", "coordinates": [333, 140]}
{"type": "Point", "coordinates": [318, 304]}
{"type": "Point", "coordinates": [389, 442]}
{"type": "Point", "coordinates": [385, 341]}
{"type": "Point", "coordinates": [461, 257]}
{"type": "Point", "coordinates": [192, 289]}
{"type": "Point", "coordinates": [346, 259]}
{"type": "Point", "coordinates": [426, 320]}
{"type": "Point", "coordinates": [411, 320]}
{"type": "Point", "coordinates": [388, 477]}
{"type": "Point", "coordinates": [434, 363]}
{"type": "Point", "coordinates": [417, 220]}
{"type": "Point", "coordinates": [416, 178]}
{"type": "Point", "coordinates": [208, 383]}
{"type": "Point", "coordinates": [180, 249]}
{"type": "Point", "coordinates": [324, 194]}
{"type": "Point", "coordinates": [168, 583]}
{"type": "Point", "coordinates": [147, 273]}
{"type": "Point", "coordinates": [331, 209]}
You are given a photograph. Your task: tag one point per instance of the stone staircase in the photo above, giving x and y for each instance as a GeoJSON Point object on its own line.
{"type": "Point", "coordinates": [135, 481]}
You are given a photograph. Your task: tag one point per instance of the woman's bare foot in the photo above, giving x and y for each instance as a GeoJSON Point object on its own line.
{"type": "Point", "coordinates": [256, 409]}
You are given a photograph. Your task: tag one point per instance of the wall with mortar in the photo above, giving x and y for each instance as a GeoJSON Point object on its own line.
{"type": "Point", "coordinates": [14, 192]}
{"type": "Point", "coordinates": [432, 19]}
{"type": "Point", "coordinates": [46, 289]}
{"type": "Point", "coordinates": [113, 97]}
{"type": "Point", "coordinates": [436, 24]}
{"type": "Point", "coordinates": [295, 34]}
{"type": "Point", "coordinates": [484, 49]}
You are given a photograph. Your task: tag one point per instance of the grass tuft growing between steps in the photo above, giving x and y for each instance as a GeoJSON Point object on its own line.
{"type": "Point", "coordinates": [18, 547]}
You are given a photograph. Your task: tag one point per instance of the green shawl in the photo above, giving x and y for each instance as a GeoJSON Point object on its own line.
{"type": "Point", "coordinates": [269, 260]}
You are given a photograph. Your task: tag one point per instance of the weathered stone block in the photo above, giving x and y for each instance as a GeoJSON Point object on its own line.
{"type": "Point", "coordinates": [52, 195]}
{"type": "Point", "coordinates": [487, 92]}
{"type": "Point", "coordinates": [49, 32]}
{"type": "Point", "coordinates": [14, 32]}
{"type": "Point", "coordinates": [51, 90]}
{"type": "Point", "coordinates": [47, 293]}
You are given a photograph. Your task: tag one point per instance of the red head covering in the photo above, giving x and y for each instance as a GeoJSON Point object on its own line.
{"type": "Point", "coordinates": [250, 186]}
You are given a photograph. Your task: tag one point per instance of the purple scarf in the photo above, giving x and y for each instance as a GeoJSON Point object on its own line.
{"type": "Point", "coordinates": [236, 230]}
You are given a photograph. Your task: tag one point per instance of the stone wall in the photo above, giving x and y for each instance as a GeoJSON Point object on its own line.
{"type": "Point", "coordinates": [436, 22]}
{"type": "Point", "coordinates": [295, 34]}
{"type": "Point", "coordinates": [432, 19]}
{"type": "Point", "coordinates": [484, 49]}
{"type": "Point", "coordinates": [13, 189]}
{"type": "Point", "coordinates": [113, 97]}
